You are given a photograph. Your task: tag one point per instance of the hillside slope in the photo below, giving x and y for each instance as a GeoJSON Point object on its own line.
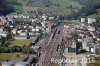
{"type": "Point", "coordinates": [57, 7]}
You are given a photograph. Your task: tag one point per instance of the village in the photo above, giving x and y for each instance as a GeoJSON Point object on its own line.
{"type": "Point", "coordinates": [81, 36]}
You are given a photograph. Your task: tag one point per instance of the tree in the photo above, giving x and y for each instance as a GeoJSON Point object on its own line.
{"type": "Point", "coordinates": [32, 51]}
{"type": "Point", "coordinates": [1, 48]}
{"type": "Point", "coordinates": [5, 7]}
{"type": "Point", "coordinates": [16, 49]}
{"type": "Point", "coordinates": [3, 41]}
{"type": "Point", "coordinates": [28, 50]}
{"type": "Point", "coordinates": [6, 50]}
{"type": "Point", "coordinates": [9, 36]}
{"type": "Point", "coordinates": [75, 36]}
{"type": "Point", "coordinates": [47, 3]}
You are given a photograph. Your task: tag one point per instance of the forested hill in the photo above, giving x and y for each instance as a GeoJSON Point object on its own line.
{"type": "Point", "coordinates": [95, 5]}
{"type": "Point", "coordinates": [88, 1]}
{"type": "Point", "coordinates": [77, 8]}
{"type": "Point", "coordinates": [91, 8]}
{"type": "Point", "coordinates": [5, 7]}
{"type": "Point", "coordinates": [58, 7]}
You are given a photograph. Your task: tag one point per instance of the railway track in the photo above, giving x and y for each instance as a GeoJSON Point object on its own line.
{"type": "Point", "coordinates": [49, 48]}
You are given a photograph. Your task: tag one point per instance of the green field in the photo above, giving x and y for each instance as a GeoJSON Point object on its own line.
{"type": "Point", "coordinates": [55, 11]}
{"type": "Point", "coordinates": [54, 64]}
{"type": "Point", "coordinates": [9, 56]}
{"type": "Point", "coordinates": [59, 3]}
{"type": "Point", "coordinates": [67, 3]}
{"type": "Point", "coordinates": [94, 64]}
{"type": "Point", "coordinates": [22, 19]}
{"type": "Point", "coordinates": [20, 42]}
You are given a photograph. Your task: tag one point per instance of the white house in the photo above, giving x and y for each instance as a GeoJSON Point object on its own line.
{"type": "Point", "coordinates": [10, 18]}
{"type": "Point", "coordinates": [19, 31]}
{"type": "Point", "coordinates": [21, 16]}
{"type": "Point", "coordinates": [25, 26]}
{"type": "Point", "coordinates": [3, 20]}
{"type": "Point", "coordinates": [23, 34]}
{"type": "Point", "coordinates": [3, 34]}
{"type": "Point", "coordinates": [14, 31]}
{"type": "Point", "coordinates": [90, 28]}
{"type": "Point", "coordinates": [44, 17]}
{"type": "Point", "coordinates": [51, 18]}
{"type": "Point", "coordinates": [25, 16]}
{"type": "Point", "coordinates": [83, 20]}
{"type": "Point", "coordinates": [1, 29]}
{"type": "Point", "coordinates": [37, 29]}
{"type": "Point", "coordinates": [33, 20]}
{"type": "Point", "coordinates": [91, 20]}
{"type": "Point", "coordinates": [7, 63]}
{"type": "Point", "coordinates": [15, 15]}
{"type": "Point", "coordinates": [33, 29]}
{"type": "Point", "coordinates": [43, 24]}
